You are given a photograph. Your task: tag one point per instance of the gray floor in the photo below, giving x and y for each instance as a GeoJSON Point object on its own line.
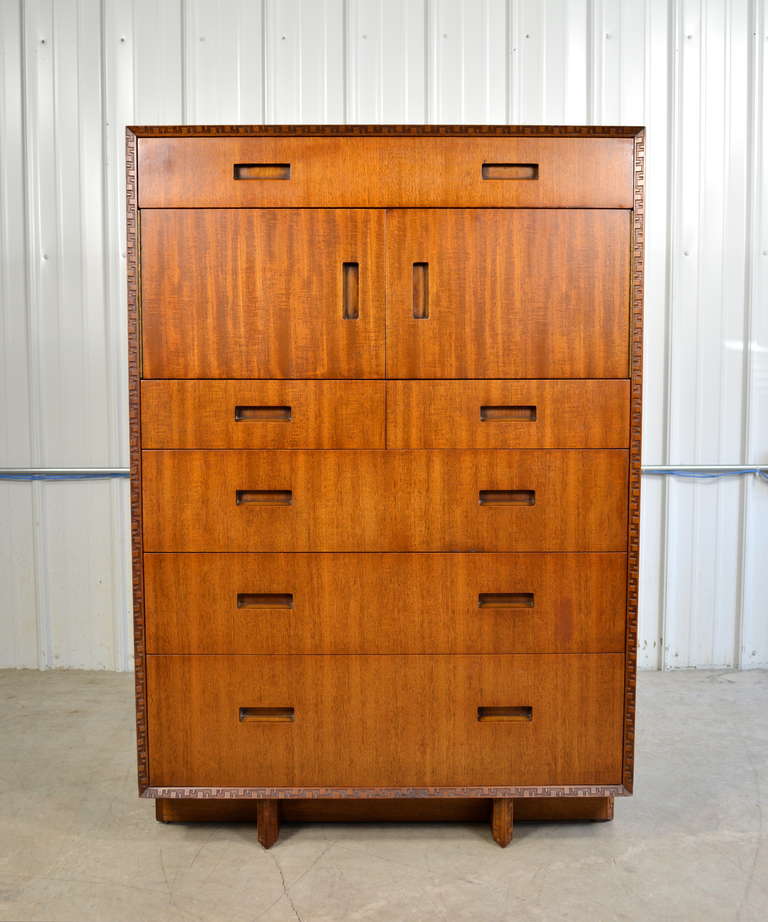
{"type": "Point", "coordinates": [77, 845]}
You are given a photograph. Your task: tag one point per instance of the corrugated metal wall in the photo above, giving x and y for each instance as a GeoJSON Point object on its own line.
{"type": "Point", "coordinates": [75, 72]}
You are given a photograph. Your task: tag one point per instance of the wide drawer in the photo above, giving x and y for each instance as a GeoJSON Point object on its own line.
{"type": "Point", "coordinates": [385, 500]}
{"type": "Point", "coordinates": [508, 414]}
{"type": "Point", "coordinates": [262, 414]}
{"type": "Point", "coordinates": [381, 721]}
{"type": "Point", "coordinates": [569, 172]}
{"type": "Point", "coordinates": [385, 603]}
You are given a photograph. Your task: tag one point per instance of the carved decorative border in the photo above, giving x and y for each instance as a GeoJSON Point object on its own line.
{"type": "Point", "coordinates": [134, 372]}
{"type": "Point", "coordinates": [245, 131]}
{"type": "Point", "coordinates": [134, 415]}
{"type": "Point", "coordinates": [600, 790]}
{"type": "Point", "coordinates": [636, 420]}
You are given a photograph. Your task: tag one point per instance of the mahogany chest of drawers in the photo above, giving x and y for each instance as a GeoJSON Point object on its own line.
{"type": "Point", "coordinates": [385, 430]}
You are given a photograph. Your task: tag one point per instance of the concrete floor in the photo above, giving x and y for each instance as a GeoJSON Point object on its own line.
{"type": "Point", "coordinates": [76, 844]}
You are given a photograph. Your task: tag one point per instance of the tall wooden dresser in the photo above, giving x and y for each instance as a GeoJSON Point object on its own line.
{"type": "Point", "coordinates": [385, 430]}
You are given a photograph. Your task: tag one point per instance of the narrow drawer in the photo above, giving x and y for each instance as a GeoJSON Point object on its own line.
{"type": "Point", "coordinates": [385, 500]}
{"type": "Point", "coordinates": [262, 414]}
{"type": "Point", "coordinates": [240, 721]}
{"type": "Point", "coordinates": [508, 414]}
{"type": "Point", "coordinates": [385, 172]}
{"type": "Point", "coordinates": [385, 603]}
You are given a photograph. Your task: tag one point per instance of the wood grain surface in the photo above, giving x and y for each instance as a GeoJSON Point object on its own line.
{"type": "Point", "coordinates": [259, 293]}
{"type": "Point", "coordinates": [386, 603]}
{"type": "Point", "coordinates": [385, 501]}
{"type": "Point", "coordinates": [519, 414]}
{"type": "Point", "coordinates": [515, 293]}
{"type": "Point", "coordinates": [315, 414]}
{"type": "Point", "coordinates": [385, 720]}
{"type": "Point", "coordinates": [381, 171]}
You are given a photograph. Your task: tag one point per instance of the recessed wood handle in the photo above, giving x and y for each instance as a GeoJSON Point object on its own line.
{"type": "Point", "coordinates": [350, 275]}
{"type": "Point", "coordinates": [263, 414]}
{"type": "Point", "coordinates": [510, 171]}
{"type": "Point", "coordinates": [265, 497]}
{"type": "Point", "coordinates": [505, 600]}
{"type": "Point", "coordinates": [272, 715]}
{"type": "Point", "coordinates": [262, 171]}
{"type": "Point", "coordinates": [491, 413]}
{"type": "Point", "coordinates": [265, 600]}
{"type": "Point", "coordinates": [507, 497]}
{"type": "Point", "coordinates": [420, 305]}
{"type": "Point", "coordinates": [515, 712]}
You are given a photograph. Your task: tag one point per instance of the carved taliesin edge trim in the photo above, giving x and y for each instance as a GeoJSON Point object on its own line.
{"type": "Point", "coordinates": [134, 414]}
{"type": "Point", "coordinates": [535, 131]}
{"type": "Point", "coordinates": [633, 519]}
{"type": "Point", "coordinates": [199, 793]}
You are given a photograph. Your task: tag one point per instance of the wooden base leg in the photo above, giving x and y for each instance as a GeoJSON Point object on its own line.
{"type": "Point", "coordinates": [267, 822]}
{"type": "Point", "coordinates": [604, 811]}
{"type": "Point", "coordinates": [501, 820]}
{"type": "Point", "coordinates": [160, 810]}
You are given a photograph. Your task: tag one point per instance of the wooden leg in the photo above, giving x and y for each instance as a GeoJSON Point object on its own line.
{"type": "Point", "coordinates": [501, 820]}
{"type": "Point", "coordinates": [160, 810]}
{"type": "Point", "coordinates": [604, 811]}
{"type": "Point", "coordinates": [267, 822]}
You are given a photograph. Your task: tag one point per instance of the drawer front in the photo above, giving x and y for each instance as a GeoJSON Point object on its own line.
{"type": "Point", "coordinates": [262, 294]}
{"type": "Point", "coordinates": [385, 603]}
{"type": "Point", "coordinates": [262, 414]}
{"type": "Point", "coordinates": [385, 500]}
{"type": "Point", "coordinates": [381, 721]}
{"type": "Point", "coordinates": [489, 293]}
{"type": "Point", "coordinates": [253, 172]}
{"type": "Point", "coordinates": [508, 414]}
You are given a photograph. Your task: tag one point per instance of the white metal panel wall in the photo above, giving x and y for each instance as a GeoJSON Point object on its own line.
{"type": "Point", "coordinates": [75, 72]}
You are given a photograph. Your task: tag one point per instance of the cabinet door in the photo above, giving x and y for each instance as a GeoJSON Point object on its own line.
{"type": "Point", "coordinates": [262, 293]}
{"type": "Point", "coordinates": [497, 293]}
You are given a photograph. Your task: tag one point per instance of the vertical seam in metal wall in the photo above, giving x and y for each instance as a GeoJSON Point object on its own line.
{"type": "Point", "coordinates": [673, 107]}
{"type": "Point", "coordinates": [430, 63]}
{"type": "Point", "coordinates": [755, 65]}
{"type": "Point", "coordinates": [380, 65]}
{"type": "Point", "coordinates": [238, 51]}
{"type": "Point", "coordinates": [108, 325]}
{"type": "Point", "coordinates": [345, 50]}
{"type": "Point", "coordinates": [701, 139]}
{"type": "Point", "coordinates": [508, 61]}
{"type": "Point", "coordinates": [33, 297]}
{"type": "Point", "coordinates": [728, 83]}
{"type": "Point", "coordinates": [300, 67]}
{"type": "Point", "coordinates": [515, 79]}
{"type": "Point", "coordinates": [726, 39]}
{"type": "Point", "coordinates": [120, 611]}
{"type": "Point", "coordinates": [183, 64]}
{"type": "Point", "coordinates": [32, 451]}
{"type": "Point", "coordinates": [662, 537]}
{"type": "Point", "coordinates": [32, 441]}
{"type": "Point", "coordinates": [264, 67]}
{"type": "Point", "coordinates": [591, 56]}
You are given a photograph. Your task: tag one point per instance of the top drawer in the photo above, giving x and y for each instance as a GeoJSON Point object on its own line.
{"type": "Point", "coordinates": [386, 172]}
